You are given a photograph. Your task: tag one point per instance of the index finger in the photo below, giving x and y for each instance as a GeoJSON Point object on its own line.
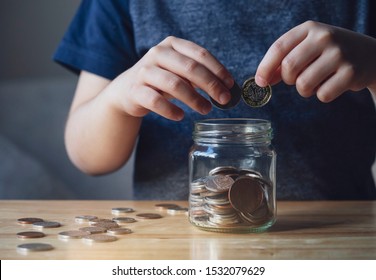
{"type": "Point", "coordinates": [277, 52]}
{"type": "Point", "coordinates": [203, 56]}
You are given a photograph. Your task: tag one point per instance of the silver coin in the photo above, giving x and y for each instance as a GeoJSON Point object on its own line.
{"type": "Point", "coordinates": [41, 225]}
{"type": "Point", "coordinates": [93, 230]}
{"type": "Point", "coordinates": [99, 238]}
{"type": "Point", "coordinates": [165, 206]}
{"type": "Point", "coordinates": [219, 183]}
{"type": "Point", "coordinates": [177, 210]}
{"type": "Point", "coordinates": [236, 93]}
{"type": "Point", "coordinates": [223, 170]}
{"type": "Point", "coordinates": [106, 225]}
{"type": "Point", "coordinates": [72, 234]}
{"type": "Point", "coordinates": [255, 96]}
{"type": "Point", "coordinates": [121, 210]}
{"type": "Point", "coordinates": [98, 220]}
{"type": "Point", "coordinates": [34, 247]}
{"type": "Point", "coordinates": [124, 220]}
{"type": "Point", "coordinates": [84, 218]}
{"type": "Point", "coordinates": [119, 231]}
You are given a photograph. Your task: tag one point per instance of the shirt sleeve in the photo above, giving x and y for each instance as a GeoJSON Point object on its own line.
{"type": "Point", "coordinates": [99, 39]}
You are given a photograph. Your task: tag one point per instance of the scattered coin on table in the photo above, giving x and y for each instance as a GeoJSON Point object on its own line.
{"type": "Point", "coordinates": [99, 238]}
{"type": "Point", "coordinates": [30, 234]}
{"type": "Point", "coordinates": [73, 234]}
{"type": "Point", "coordinates": [148, 216]}
{"type": "Point", "coordinates": [84, 218]}
{"type": "Point", "coordinates": [165, 206]}
{"type": "Point", "coordinates": [124, 220]}
{"type": "Point", "coordinates": [26, 221]}
{"type": "Point", "coordinates": [93, 230]}
{"type": "Point", "coordinates": [119, 231]}
{"type": "Point", "coordinates": [121, 210]}
{"type": "Point", "coordinates": [41, 225]}
{"type": "Point", "coordinates": [34, 247]}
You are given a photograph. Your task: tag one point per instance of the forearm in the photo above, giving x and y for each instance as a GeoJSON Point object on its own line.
{"type": "Point", "coordinates": [100, 138]}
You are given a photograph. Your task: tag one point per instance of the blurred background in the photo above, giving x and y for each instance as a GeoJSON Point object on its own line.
{"type": "Point", "coordinates": [35, 95]}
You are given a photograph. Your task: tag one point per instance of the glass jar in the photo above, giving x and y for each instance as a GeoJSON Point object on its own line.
{"type": "Point", "coordinates": [232, 175]}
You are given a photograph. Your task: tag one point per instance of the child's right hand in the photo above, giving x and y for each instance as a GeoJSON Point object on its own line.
{"type": "Point", "coordinates": [172, 70]}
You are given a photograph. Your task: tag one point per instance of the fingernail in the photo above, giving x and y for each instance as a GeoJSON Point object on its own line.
{"type": "Point", "coordinates": [224, 98]}
{"type": "Point", "coordinates": [229, 82]}
{"type": "Point", "coordinates": [260, 81]}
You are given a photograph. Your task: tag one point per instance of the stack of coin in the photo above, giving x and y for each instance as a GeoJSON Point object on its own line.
{"type": "Point", "coordinates": [229, 197]}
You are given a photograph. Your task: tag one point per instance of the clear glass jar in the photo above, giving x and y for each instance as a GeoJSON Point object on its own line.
{"type": "Point", "coordinates": [232, 175]}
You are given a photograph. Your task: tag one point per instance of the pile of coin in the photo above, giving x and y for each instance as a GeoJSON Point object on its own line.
{"type": "Point", "coordinates": [253, 95]}
{"type": "Point", "coordinates": [229, 197]}
{"type": "Point", "coordinates": [96, 230]}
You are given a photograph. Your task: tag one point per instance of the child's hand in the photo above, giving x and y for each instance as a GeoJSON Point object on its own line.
{"type": "Point", "coordinates": [173, 69]}
{"type": "Point", "coordinates": [320, 59]}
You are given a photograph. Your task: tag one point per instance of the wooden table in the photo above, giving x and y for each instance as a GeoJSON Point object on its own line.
{"type": "Point", "coordinates": [304, 230]}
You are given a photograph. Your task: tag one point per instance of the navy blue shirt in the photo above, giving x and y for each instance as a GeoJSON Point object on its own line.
{"type": "Point", "coordinates": [325, 151]}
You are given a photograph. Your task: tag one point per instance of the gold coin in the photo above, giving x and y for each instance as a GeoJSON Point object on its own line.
{"type": "Point", "coordinates": [255, 96]}
{"type": "Point", "coordinates": [25, 221]}
{"type": "Point", "coordinates": [73, 234]}
{"type": "Point", "coordinates": [30, 234]}
{"type": "Point", "coordinates": [119, 231]}
{"type": "Point", "coordinates": [148, 216]}
{"type": "Point", "coordinates": [99, 238]}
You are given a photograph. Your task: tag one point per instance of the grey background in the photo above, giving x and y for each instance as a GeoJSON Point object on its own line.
{"type": "Point", "coordinates": [35, 95]}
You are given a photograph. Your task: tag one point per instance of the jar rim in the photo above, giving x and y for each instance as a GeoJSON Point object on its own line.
{"type": "Point", "coordinates": [233, 130]}
{"type": "Point", "coordinates": [232, 121]}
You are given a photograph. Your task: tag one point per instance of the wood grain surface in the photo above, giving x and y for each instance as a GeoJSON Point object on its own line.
{"type": "Point", "coordinates": [304, 230]}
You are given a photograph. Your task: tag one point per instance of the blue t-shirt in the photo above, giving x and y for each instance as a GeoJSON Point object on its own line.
{"type": "Point", "coordinates": [325, 151]}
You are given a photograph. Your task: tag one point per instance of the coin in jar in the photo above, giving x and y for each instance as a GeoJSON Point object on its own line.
{"type": "Point", "coordinates": [30, 234]}
{"type": "Point", "coordinates": [255, 96]}
{"type": "Point", "coordinates": [246, 194]}
{"type": "Point", "coordinates": [235, 98]}
{"type": "Point", "coordinates": [219, 183]}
